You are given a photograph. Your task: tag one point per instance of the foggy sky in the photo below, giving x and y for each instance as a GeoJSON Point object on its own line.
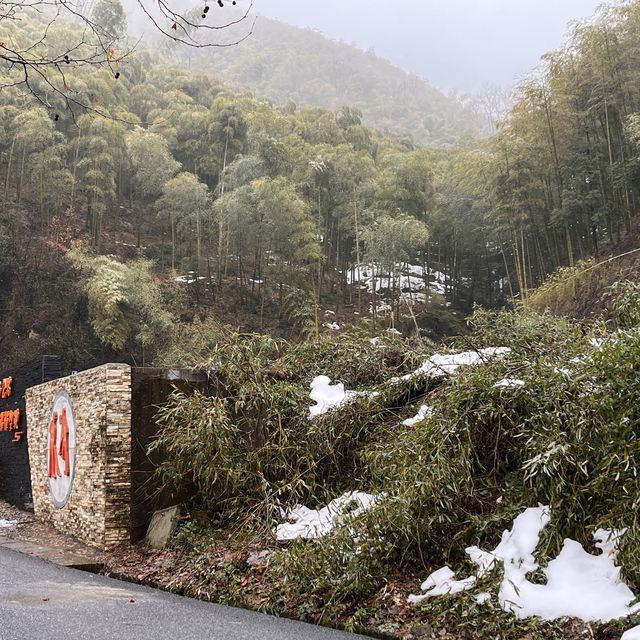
{"type": "Point", "coordinates": [456, 44]}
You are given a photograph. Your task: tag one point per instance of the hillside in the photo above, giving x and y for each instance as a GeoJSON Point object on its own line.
{"type": "Point", "coordinates": [154, 214]}
{"type": "Point", "coordinates": [505, 475]}
{"type": "Point", "coordinates": [286, 63]}
{"type": "Point", "coordinates": [293, 221]}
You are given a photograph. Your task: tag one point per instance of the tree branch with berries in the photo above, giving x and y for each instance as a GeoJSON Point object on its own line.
{"type": "Point", "coordinates": [42, 64]}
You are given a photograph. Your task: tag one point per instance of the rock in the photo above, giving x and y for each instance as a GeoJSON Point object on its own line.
{"type": "Point", "coordinates": [259, 559]}
{"type": "Point", "coordinates": [421, 631]}
{"type": "Point", "coordinates": [163, 524]}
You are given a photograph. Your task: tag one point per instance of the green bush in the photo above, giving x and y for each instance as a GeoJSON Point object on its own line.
{"type": "Point", "coordinates": [257, 449]}
{"type": "Point", "coordinates": [566, 438]}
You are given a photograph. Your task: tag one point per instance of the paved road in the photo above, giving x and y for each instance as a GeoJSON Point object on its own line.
{"type": "Point", "coordinates": [43, 601]}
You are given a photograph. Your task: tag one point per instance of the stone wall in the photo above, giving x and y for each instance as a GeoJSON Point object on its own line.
{"type": "Point", "coordinates": [98, 508]}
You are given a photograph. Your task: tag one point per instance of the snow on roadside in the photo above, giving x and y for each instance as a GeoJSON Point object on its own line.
{"type": "Point", "coordinates": [309, 524]}
{"type": "Point", "coordinates": [578, 584]}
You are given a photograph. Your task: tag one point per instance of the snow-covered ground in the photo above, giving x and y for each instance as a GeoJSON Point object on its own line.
{"type": "Point", "coordinates": [578, 584]}
{"type": "Point", "coordinates": [189, 278]}
{"type": "Point", "coordinates": [412, 283]}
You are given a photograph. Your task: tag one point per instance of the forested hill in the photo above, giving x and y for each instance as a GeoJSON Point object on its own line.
{"type": "Point", "coordinates": [221, 207]}
{"type": "Point", "coordinates": [283, 63]}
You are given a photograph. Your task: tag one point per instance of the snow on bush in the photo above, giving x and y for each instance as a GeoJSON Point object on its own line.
{"type": "Point", "coordinates": [441, 365]}
{"type": "Point", "coordinates": [423, 413]}
{"type": "Point", "coordinates": [329, 396]}
{"type": "Point", "coordinates": [309, 524]}
{"type": "Point", "coordinates": [509, 383]}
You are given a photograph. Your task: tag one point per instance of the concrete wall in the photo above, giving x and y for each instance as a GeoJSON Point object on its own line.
{"type": "Point", "coordinates": [150, 388]}
{"type": "Point", "coordinates": [99, 505]}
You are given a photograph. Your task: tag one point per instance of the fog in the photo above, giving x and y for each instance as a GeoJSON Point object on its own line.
{"type": "Point", "coordinates": [455, 44]}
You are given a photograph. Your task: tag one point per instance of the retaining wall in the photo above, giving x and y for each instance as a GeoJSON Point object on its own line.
{"type": "Point", "coordinates": [97, 510]}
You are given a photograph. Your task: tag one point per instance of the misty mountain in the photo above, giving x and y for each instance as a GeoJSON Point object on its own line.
{"type": "Point", "coordinates": [286, 63]}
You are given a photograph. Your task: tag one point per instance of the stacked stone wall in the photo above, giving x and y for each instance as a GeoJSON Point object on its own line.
{"type": "Point", "coordinates": [98, 508]}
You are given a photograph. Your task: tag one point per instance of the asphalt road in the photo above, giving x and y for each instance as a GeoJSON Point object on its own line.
{"type": "Point", "coordinates": [43, 601]}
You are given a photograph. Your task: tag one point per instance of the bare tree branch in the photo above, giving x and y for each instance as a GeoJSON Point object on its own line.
{"type": "Point", "coordinates": [39, 69]}
{"type": "Point", "coordinates": [180, 23]}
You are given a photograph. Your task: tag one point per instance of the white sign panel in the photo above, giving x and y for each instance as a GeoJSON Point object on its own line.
{"type": "Point", "coordinates": [61, 449]}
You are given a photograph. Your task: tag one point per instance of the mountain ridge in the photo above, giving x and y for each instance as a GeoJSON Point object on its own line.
{"type": "Point", "coordinates": [283, 63]}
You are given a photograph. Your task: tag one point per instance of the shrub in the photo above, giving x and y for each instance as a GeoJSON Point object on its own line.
{"type": "Point", "coordinates": [566, 438]}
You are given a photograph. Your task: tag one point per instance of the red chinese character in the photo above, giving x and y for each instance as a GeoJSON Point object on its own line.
{"type": "Point", "coordinates": [54, 467]}
{"type": "Point", "coordinates": [5, 387]}
{"type": "Point", "coordinates": [64, 442]}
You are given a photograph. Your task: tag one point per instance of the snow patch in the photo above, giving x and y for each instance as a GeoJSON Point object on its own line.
{"type": "Point", "coordinates": [441, 365]}
{"type": "Point", "coordinates": [315, 523]}
{"type": "Point", "coordinates": [412, 281]}
{"type": "Point", "coordinates": [423, 413]}
{"type": "Point", "coordinates": [442, 582]}
{"type": "Point", "coordinates": [509, 383]}
{"type": "Point", "coordinates": [329, 396]}
{"type": "Point", "coordinates": [631, 634]}
{"type": "Point", "coordinates": [189, 278]}
{"type": "Point", "coordinates": [7, 523]}
{"type": "Point", "coordinates": [578, 584]}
